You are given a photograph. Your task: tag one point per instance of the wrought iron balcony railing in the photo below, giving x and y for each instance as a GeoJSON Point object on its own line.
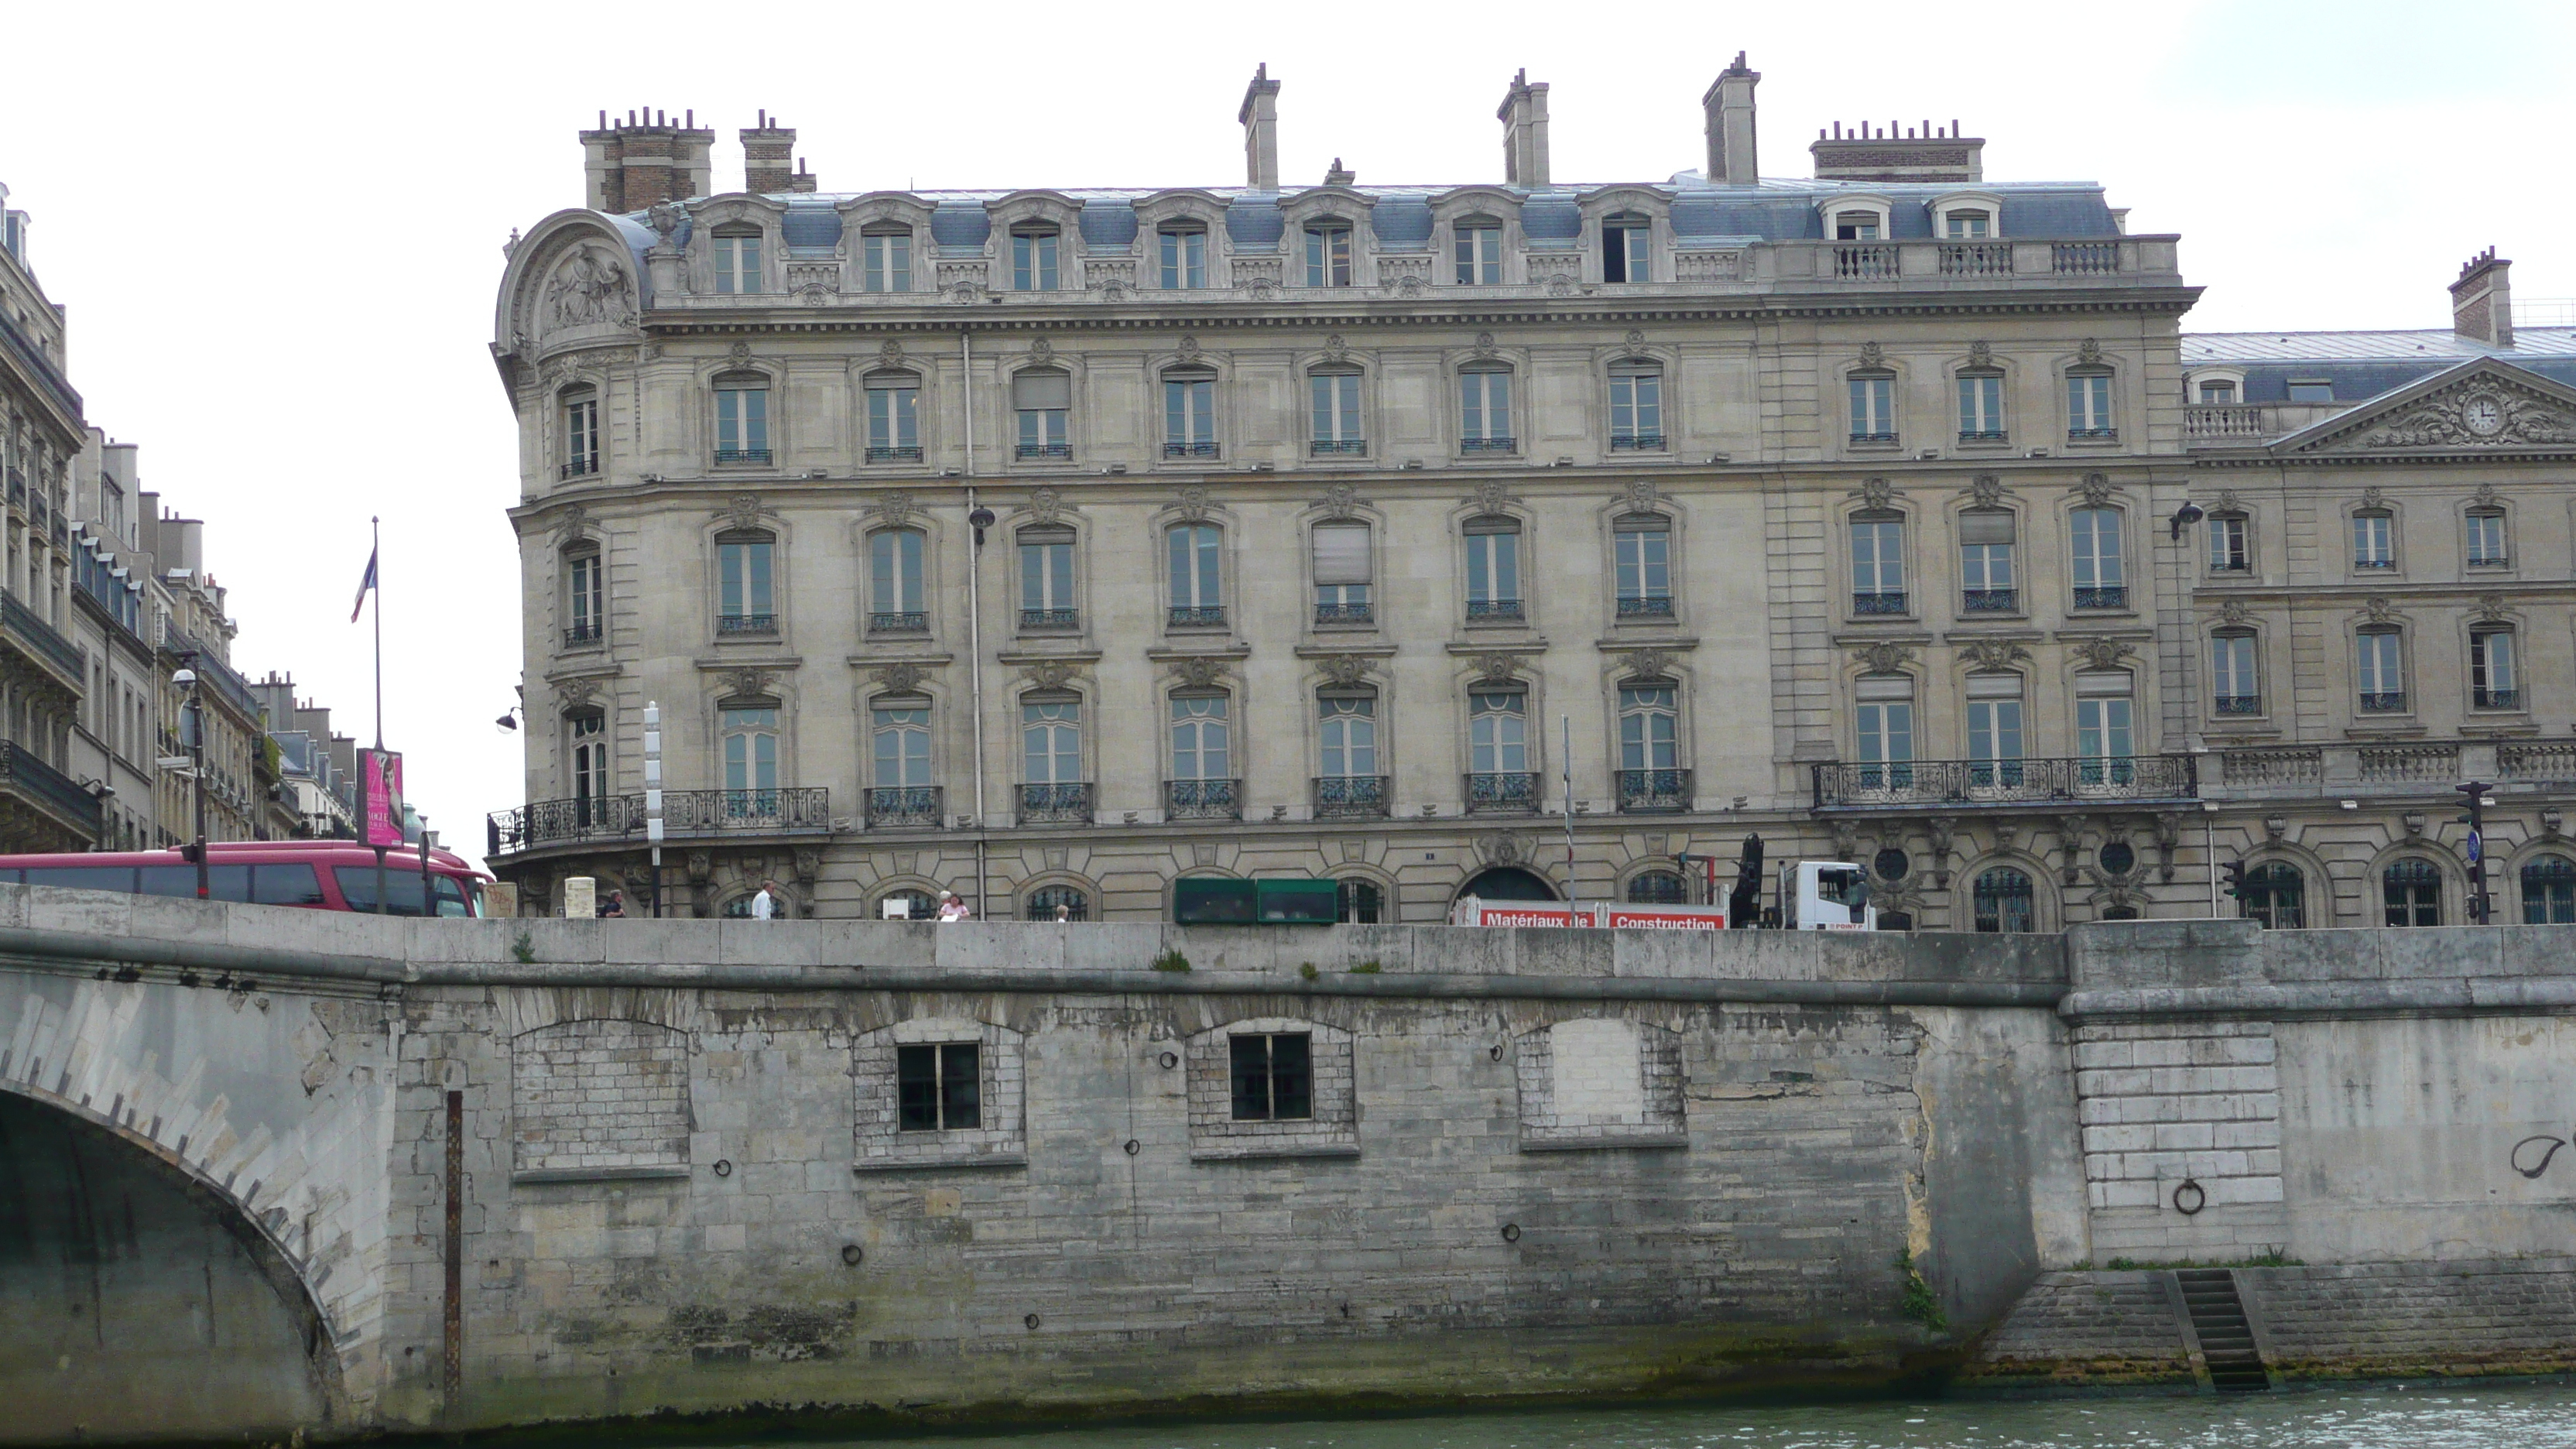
{"type": "Point", "coordinates": [1656, 607]}
{"type": "Point", "coordinates": [1050, 619]}
{"type": "Point", "coordinates": [1883, 601]}
{"type": "Point", "coordinates": [1027, 451]}
{"type": "Point", "coordinates": [2239, 704]}
{"type": "Point", "coordinates": [2497, 698]}
{"type": "Point", "coordinates": [1867, 784]}
{"type": "Point", "coordinates": [1057, 803]}
{"type": "Point", "coordinates": [24, 774]}
{"type": "Point", "coordinates": [1973, 436]}
{"type": "Point", "coordinates": [905, 453]}
{"type": "Point", "coordinates": [899, 807]}
{"type": "Point", "coordinates": [1189, 450]}
{"type": "Point", "coordinates": [1636, 442]}
{"type": "Point", "coordinates": [900, 621]}
{"type": "Point", "coordinates": [1350, 797]}
{"type": "Point", "coordinates": [2091, 435]}
{"type": "Point", "coordinates": [1197, 616]}
{"type": "Point", "coordinates": [41, 637]}
{"type": "Point", "coordinates": [1338, 447]}
{"type": "Point", "coordinates": [1503, 792]}
{"type": "Point", "coordinates": [1863, 435]}
{"type": "Point", "coordinates": [1654, 791]}
{"type": "Point", "coordinates": [1480, 611]}
{"type": "Point", "coordinates": [584, 634]}
{"type": "Point", "coordinates": [579, 468]}
{"type": "Point", "coordinates": [2102, 596]}
{"type": "Point", "coordinates": [742, 455]}
{"type": "Point", "coordinates": [1345, 613]}
{"type": "Point", "coordinates": [2384, 702]}
{"type": "Point", "coordinates": [1487, 445]}
{"type": "Point", "coordinates": [1202, 799]}
{"type": "Point", "coordinates": [2374, 563]}
{"type": "Point", "coordinates": [1989, 601]}
{"type": "Point", "coordinates": [746, 623]}
{"type": "Point", "coordinates": [615, 819]}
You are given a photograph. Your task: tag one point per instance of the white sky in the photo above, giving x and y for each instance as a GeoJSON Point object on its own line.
{"type": "Point", "coordinates": [278, 229]}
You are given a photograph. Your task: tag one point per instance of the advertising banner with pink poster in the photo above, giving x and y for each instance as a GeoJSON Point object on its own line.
{"type": "Point", "coordinates": [380, 798]}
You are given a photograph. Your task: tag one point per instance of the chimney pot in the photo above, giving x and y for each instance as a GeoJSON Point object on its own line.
{"type": "Point", "coordinates": [1732, 142]}
{"type": "Point", "coordinates": [1259, 118]}
{"type": "Point", "coordinates": [1524, 117]}
{"type": "Point", "coordinates": [2482, 300]}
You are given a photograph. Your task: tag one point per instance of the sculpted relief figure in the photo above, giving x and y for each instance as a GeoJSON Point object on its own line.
{"type": "Point", "coordinates": [589, 288]}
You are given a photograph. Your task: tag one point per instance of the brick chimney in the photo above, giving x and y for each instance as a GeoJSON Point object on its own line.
{"type": "Point", "coordinates": [766, 152]}
{"type": "Point", "coordinates": [1898, 152]}
{"type": "Point", "coordinates": [1731, 140]}
{"type": "Point", "coordinates": [632, 164]}
{"type": "Point", "coordinates": [1260, 120]}
{"type": "Point", "coordinates": [2482, 300]}
{"type": "Point", "coordinates": [1524, 118]}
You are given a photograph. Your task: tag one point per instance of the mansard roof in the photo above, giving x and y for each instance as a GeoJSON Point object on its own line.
{"type": "Point", "coordinates": [2365, 365]}
{"type": "Point", "coordinates": [2484, 408]}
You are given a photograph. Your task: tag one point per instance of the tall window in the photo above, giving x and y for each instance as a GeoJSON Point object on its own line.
{"type": "Point", "coordinates": [2486, 538]}
{"type": "Point", "coordinates": [1627, 248]}
{"type": "Point", "coordinates": [2234, 686]}
{"type": "Point", "coordinates": [1328, 254]}
{"type": "Point", "coordinates": [1046, 579]}
{"type": "Point", "coordinates": [750, 737]}
{"type": "Point", "coordinates": [585, 594]}
{"type": "Point", "coordinates": [1051, 740]}
{"type": "Point", "coordinates": [894, 427]}
{"type": "Point", "coordinates": [2549, 891]}
{"type": "Point", "coordinates": [887, 259]}
{"type": "Point", "coordinates": [1334, 393]}
{"type": "Point", "coordinates": [2101, 577]}
{"type": "Point", "coordinates": [2411, 889]}
{"type": "Point", "coordinates": [895, 596]}
{"type": "Point", "coordinates": [937, 1087]}
{"type": "Point", "coordinates": [2374, 539]}
{"type": "Point", "coordinates": [2493, 680]}
{"type": "Point", "coordinates": [2379, 675]}
{"type": "Point", "coordinates": [1342, 573]}
{"type": "Point", "coordinates": [1189, 413]}
{"type": "Point", "coordinates": [1656, 888]}
{"type": "Point", "coordinates": [1202, 738]}
{"type": "Point", "coordinates": [1194, 552]}
{"type": "Point", "coordinates": [2227, 554]}
{"type": "Point", "coordinates": [1348, 730]}
{"type": "Point", "coordinates": [737, 252]}
{"type": "Point", "coordinates": [1878, 563]}
{"type": "Point", "coordinates": [1981, 407]}
{"type": "Point", "coordinates": [1986, 585]}
{"type": "Point", "coordinates": [901, 737]}
{"type": "Point", "coordinates": [589, 743]}
{"type": "Point", "coordinates": [1043, 398]}
{"type": "Point", "coordinates": [1498, 732]}
{"type": "Point", "coordinates": [1636, 406]}
{"type": "Point", "coordinates": [1033, 251]}
{"type": "Point", "coordinates": [1884, 730]}
{"type": "Point", "coordinates": [1273, 1075]}
{"type": "Point", "coordinates": [743, 602]}
{"type": "Point", "coordinates": [1058, 903]}
{"type": "Point", "coordinates": [1494, 569]}
{"type": "Point", "coordinates": [1641, 545]}
{"type": "Point", "coordinates": [2105, 743]}
{"type": "Point", "coordinates": [742, 419]}
{"type": "Point", "coordinates": [1359, 902]}
{"type": "Point", "coordinates": [2005, 901]}
{"type": "Point", "coordinates": [1649, 727]}
{"type": "Point", "coordinates": [1873, 407]}
{"type": "Point", "coordinates": [1184, 257]}
{"type": "Point", "coordinates": [1994, 730]}
{"type": "Point", "coordinates": [581, 432]}
{"type": "Point", "coordinates": [2088, 405]}
{"type": "Point", "coordinates": [1969, 225]}
{"type": "Point", "coordinates": [2275, 894]}
{"type": "Point", "coordinates": [1479, 254]}
{"type": "Point", "coordinates": [1485, 410]}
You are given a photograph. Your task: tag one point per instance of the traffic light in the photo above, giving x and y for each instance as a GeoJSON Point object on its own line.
{"type": "Point", "coordinates": [2233, 874]}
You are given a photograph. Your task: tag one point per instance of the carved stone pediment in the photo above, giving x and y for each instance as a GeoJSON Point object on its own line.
{"type": "Point", "coordinates": [2484, 406]}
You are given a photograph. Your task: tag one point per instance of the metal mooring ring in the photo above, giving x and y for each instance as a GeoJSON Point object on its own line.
{"type": "Point", "coordinates": [1169, 1060]}
{"type": "Point", "coordinates": [1511, 1232]}
{"type": "Point", "coordinates": [2199, 1197]}
{"type": "Point", "coordinates": [851, 1253]}
{"type": "Point", "coordinates": [1031, 1320]}
{"type": "Point", "coordinates": [1134, 1147]}
{"type": "Point", "coordinates": [723, 1168]}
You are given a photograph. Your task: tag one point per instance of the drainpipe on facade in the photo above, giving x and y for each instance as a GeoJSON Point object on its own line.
{"type": "Point", "coordinates": [974, 613]}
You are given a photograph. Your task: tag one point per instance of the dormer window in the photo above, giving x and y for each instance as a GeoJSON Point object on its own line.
{"type": "Point", "coordinates": [1968, 226]}
{"type": "Point", "coordinates": [1328, 254]}
{"type": "Point", "coordinates": [2218, 393]}
{"type": "Point", "coordinates": [2311, 392]}
{"type": "Point", "coordinates": [1627, 248]}
{"type": "Point", "coordinates": [1856, 226]}
{"type": "Point", "coordinates": [1033, 258]}
{"type": "Point", "coordinates": [888, 259]}
{"type": "Point", "coordinates": [1479, 254]}
{"type": "Point", "coordinates": [1184, 257]}
{"type": "Point", "coordinates": [737, 260]}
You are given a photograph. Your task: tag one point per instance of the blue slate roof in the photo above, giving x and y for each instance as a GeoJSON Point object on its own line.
{"type": "Point", "coordinates": [2363, 365]}
{"type": "Point", "coordinates": [1252, 221]}
{"type": "Point", "coordinates": [812, 223]}
{"type": "Point", "coordinates": [2269, 382]}
{"type": "Point", "coordinates": [1402, 223]}
{"type": "Point", "coordinates": [1109, 224]}
{"type": "Point", "coordinates": [960, 224]}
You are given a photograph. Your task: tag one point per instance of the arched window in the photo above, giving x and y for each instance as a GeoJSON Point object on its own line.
{"type": "Point", "coordinates": [1348, 781]}
{"type": "Point", "coordinates": [1642, 555]}
{"type": "Point", "coordinates": [2088, 404]}
{"type": "Point", "coordinates": [1478, 242]}
{"type": "Point", "coordinates": [2101, 573]}
{"type": "Point", "coordinates": [745, 603]}
{"type": "Point", "coordinates": [1033, 257]}
{"type": "Point", "coordinates": [737, 257]}
{"type": "Point", "coordinates": [1342, 566]}
{"type": "Point", "coordinates": [1058, 903]}
{"type": "Point", "coordinates": [1494, 570]}
{"type": "Point", "coordinates": [894, 410]}
{"type": "Point", "coordinates": [887, 258]}
{"type": "Point", "coordinates": [1485, 409]}
{"type": "Point", "coordinates": [1981, 405]}
{"type": "Point", "coordinates": [1328, 253]}
{"type": "Point", "coordinates": [896, 604]}
{"type": "Point", "coordinates": [2379, 671]}
{"type": "Point", "coordinates": [1656, 888]}
{"type": "Point", "coordinates": [581, 431]}
{"type": "Point", "coordinates": [1507, 883]}
{"type": "Point", "coordinates": [2235, 683]}
{"type": "Point", "coordinates": [1637, 406]}
{"type": "Point", "coordinates": [2004, 901]}
{"type": "Point", "coordinates": [1987, 580]}
{"type": "Point", "coordinates": [1499, 779]}
{"type": "Point", "coordinates": [900, 791]}
{"type": "Point", "coordinates": [749, 730]}
{"type": "Point", "coordinates": [2276, 894]}
{"type": "Point", "coordinates": [1183, 247]}
{"type": "Point", "coordinates": [1046, 578]}
{"type": "Point", "coordinates": [742, 418]}
{"type": "Point", "coordinates": [1359, 902]}
{"type": "Point", "coordinates": [1627, 248]}
{"type": "Point", "coordinates": [2374, 540]}
{"type": "Point", "coordinates": [1042, 398]}
{"type": "Point", "coordinates": [2486, 538]}
{"type": "Point", "coordinates": [1195, 555]}
{"type": "Point", "coordinates": [1334, 393]}
{"type": "Point", "coordinates": [2549, 891]}
{"type": "Point", "coordinates": [586, 740]}
{"type": "Point", "coordinates": [1873, 404]}
{"type": "Point", "coordinates": [1203, 785]}
{"type": "Point", "coordinates": [2494, 681]}
{"type": "Point", "coordinates": [1650, 773]}
{"type": "Point", "coordinates": [917, 905]}
{"type": "Point", "coordinates": [585, 598]}
{"type": "Point", "coordinates": [2412, 889]}
{"type": "Point", "coordinates": [1878, 561]}
{"type": "Point", "coordinates": [1189, 412]}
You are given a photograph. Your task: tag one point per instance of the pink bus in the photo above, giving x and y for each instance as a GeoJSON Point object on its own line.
{"type": "Point", "coordinates": [321, 875]}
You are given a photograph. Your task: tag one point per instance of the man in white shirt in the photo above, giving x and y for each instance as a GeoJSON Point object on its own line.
{"type": "Point", "coordinates": [764, 906]}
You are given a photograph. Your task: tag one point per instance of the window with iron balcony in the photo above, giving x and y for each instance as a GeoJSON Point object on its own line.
{"type": "Point", "coordinates": [1873, 407]}
{"type": "Point", "coordinates": [1878, 564]}
{"type": "Point", "coordinates": [1986, 578]}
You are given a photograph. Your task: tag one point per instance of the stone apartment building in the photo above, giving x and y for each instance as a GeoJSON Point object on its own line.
{"type": "Point", "coordinates": [1053, 545]}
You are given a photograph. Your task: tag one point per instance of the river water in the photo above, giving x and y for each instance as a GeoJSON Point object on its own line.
{"type": "Point", "coordinates": [2417, 1417]}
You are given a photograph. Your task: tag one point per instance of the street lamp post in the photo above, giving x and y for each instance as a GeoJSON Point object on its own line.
{"type": "Point", "coordinates": [195, 717]}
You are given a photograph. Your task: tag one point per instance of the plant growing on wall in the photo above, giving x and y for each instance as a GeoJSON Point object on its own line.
{"type": "Point", "coordinates": [1915, 1299]}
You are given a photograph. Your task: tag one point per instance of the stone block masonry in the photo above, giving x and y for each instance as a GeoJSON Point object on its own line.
{"type": "Point", "coordinates": [2182, 1138]}
{"type": "Point", "coordinates": [599, 1098]}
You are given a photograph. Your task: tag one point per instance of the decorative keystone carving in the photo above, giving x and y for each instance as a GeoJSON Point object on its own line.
{"type": "Point", "coordinates": [2379, 610]}
{"type": "Point", "coordinates": [1335, 349]}
{"type": "Point", "coordinates": [890, 353]}
{"type": "Point", "coordinates": [1050, 673]}
{"type": "Point", "coordinates": [2104, 653]}
{"type": "Point", "coordinates": [809, 864]}
{"type": "Point", "coordinates": [1485, 344]}
{"type": "Point", "coordinates": [572, 525]}
{"type": "Point", "coordinates": [1651, 663]}
{"type": "Point", "coordinates": [1493, 496]}
{"type": "Point", "coordinates": [2486, 496]}
{"type": "Point", "coordinates": [1501, 848]}
{"type": "Point", "coordinates": [1636, 337]}
{"type": "Point", "coordinates": [1046, 506]}
{"type": "Point", "coordinates": [2088, 353]}
{"type": "Point", "coordinates": [1643, 495]}
{"type": "Point", "coordinates": [1872, 354]}
{"type": "Point", "coordinates": [1189, 348]}
{"type": "Point", "coordinates": [1877, 493]}
{"type": "Point", "coordinates": [1498, 668]}
{"type": "Point", "coordinates": [744, 511]}
{"type": "Point", "coordinates": [1980, 355]}
{"type": "Point", "coordinates": [2227, 502]}
{"type": "Point", "coordinates": [1341, 500]}
{"type": "Point", "coordinates": [746, 683]}
{"type": "Point", "coordinates": [891, 508]}
{"type": "Point", "coordinates": [1344, 671]}
{"type": "Point", "coordinates": [2414, 824]}
{"type": "Point", "coordinates": [2374, 497]}
{"type": "Point", "coordinates": [1199, 673]}
{"type": "Point", "coordinates": [1990, 656]}
{"type": "Point", "coordinates": [1041, 351]}
{"type": "Point", "coordinates": [2097, 489]}
{"type": "Point", "coordinates": [2492, 610]}
{"type": "Point", "coordinates": [1883, 658]}
{"type": "Point", "coordinates": [2234, 611]}
{"type": "Point", "coordinates": [2275, 827]}
{"type": "Point", "coordinates": [740, 352]}
{"type": "Point", "coordinates": [900, 678]}
{"type": "Point", "coordinates": [1192, 505]}
{"type": "Point", "coordinates": [575, 694]}
{"type": "Point", "coordinates": [1986, 490]}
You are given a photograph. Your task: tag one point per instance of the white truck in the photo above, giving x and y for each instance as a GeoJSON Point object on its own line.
{"type": "Point", "coordinates": [1825, 895]}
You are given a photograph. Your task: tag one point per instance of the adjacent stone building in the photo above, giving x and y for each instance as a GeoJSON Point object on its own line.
{"type": "Point", "coordinates": [1052, 545]}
